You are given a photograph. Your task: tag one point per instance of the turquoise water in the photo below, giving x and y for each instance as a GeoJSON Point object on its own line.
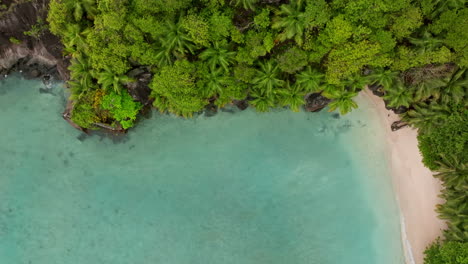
{"type": "Point", "coordinates": [276, 188]}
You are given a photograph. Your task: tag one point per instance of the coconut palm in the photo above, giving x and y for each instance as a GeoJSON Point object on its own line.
{"type": "Point", "coordinates": [267, 78]}
{"type": "Point", "coordinates": [81, 76]}
{"type": "Point", "coordinates": [291, 20]}
{"type": "Point", "coordinates": [426, 42]}
{"type": "Point", "coordinates": [455, 211]}
{"type": "Point", "coordinates": [310, 79]}
{"type": "Point", "coordinates": [383, 77]}
{"type": "Point", "coordinates": [108, 79]}
{"type": "Point", "coordinates": [262, 101]}
{"type": "Point", "coordinates": [292, 96]}
{"type": "Point", "coordinates": [454, 87]}
{"type": "Point", "coordinates": [441, 6]}
{"type": "Point", "coordinates": [218, 55]}
{"type": "Point", "coordinates": [428, 89]}
{"type": "Point", "coordinates": [453, 173]}
{"type": "Point", "coordinates": [213, 81]}
{"type": "Point", "coordinates": [246, 4]}
{"type": "Point", "coordinates": [73, 39]}
{"type": "Point", "coordinates": [356, 82]}
{"type": "Point", "coordinates": [175, 40]}
{"type": "Point", "coordinates": [342, 99]}
{"type": "Point", "coordinates": [398, 95]}
{"type": "Point", "coordinates": [82, 7]}
{"type": "Point", "coordinates": [426, 116]}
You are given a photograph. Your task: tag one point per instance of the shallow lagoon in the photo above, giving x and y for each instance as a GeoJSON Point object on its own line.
{"type": "Point", "coordinates": [241, 187]}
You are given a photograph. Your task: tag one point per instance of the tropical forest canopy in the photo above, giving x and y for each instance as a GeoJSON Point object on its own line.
{"type": "Point", "coordinates": [274, 53]}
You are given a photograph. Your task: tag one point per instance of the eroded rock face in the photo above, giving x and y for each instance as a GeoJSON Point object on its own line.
{"type": "Point", "coordinates": [316, 102]}
{"type": "Point", "coordinates": [36, 55]}
{"type": "Point", "coordinates": [139, 90]}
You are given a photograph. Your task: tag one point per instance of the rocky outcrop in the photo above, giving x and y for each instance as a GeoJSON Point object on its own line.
{"type": "Point", "coordinates": [316, 102]}
{"type": "Point", "coordinates": [139, 89]}
{"type": "Point", "coordinates": [36, 55]}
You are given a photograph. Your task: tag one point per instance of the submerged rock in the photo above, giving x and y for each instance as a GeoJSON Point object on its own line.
{"type": "Point", "coordinates": [316, 102]}
{"type": "Point", "coordinates": [241, 104]}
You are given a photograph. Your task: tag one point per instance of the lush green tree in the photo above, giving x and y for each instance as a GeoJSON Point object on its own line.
{"type": "Point", "coordinates": [109, 80]}
{"type": "Point", "coordinates": [175, 39]}
{"type": "Point", "coordinates": [449, 252]}
{"type": "Point", "coordinates": [383, 77]}
{"type": "Point", "coordinates": [349, 59]}
{"type": "Point", "coordinates": [267, 78]}
{"type": "Point", "coordinates": [262, 101]}
{"type": "Point", "coordinates": [398, 95]}
{"type": "Point", "coordinates": [292, 60]}
{"type": "Point", "coordinates": [218, 55]}
{"type": "Point", "coordinates": [122, 107]}
{"type": "Point", "coordinates": [426, 116]}
{"type": "Point", "coordinates": [454, 87]}
{"type": "Point", "coordinates": [292, 96]}
{"type": "Point", "coordinates": [291, 20]}
{"type": "Point", "coordinates": [447, 138]}
{"type": "Point", "coordinates": [311, 79]}
{"type": "Point", "coordinates": [246, 4]}
{"type": "Point", "coordinates": [81, 76]}
{"type": "Point", "coordinates": [175, 90]}
{"type": "Point", "coordinates": [342, 100]}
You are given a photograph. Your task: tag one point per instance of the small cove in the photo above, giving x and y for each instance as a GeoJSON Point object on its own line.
{"type": "Point", "coordinates": [242, 187]}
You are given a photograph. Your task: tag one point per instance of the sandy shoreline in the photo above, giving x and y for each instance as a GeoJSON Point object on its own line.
{"type": "Point", "coordinates": [416, 190]}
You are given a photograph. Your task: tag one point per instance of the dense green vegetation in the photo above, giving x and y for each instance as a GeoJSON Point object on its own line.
{"type": "Point", "coordinates": [274, 53]}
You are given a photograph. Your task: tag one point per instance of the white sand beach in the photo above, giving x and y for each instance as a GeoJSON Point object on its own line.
{"type": "Point", "coordinates": [416, 189]}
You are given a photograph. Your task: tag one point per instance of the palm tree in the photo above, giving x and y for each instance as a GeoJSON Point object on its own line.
{"type": "Point", "coordinates": [214, 81]}
{"type": "Point", "coordinates": [398, 95]}
{"type": "Point", "coordinates": [383, 77]}
{"type": "Point", "coordinates": [81, 75]}
{"type": "Point", "coordinates": [454, 87]}
{"type": "Point", "coordinates": [310, 78]}
{"type": "Point", "coordinates": [262, 101]}
{"type": "Point", "coordinates": [342, 100]}
{"type": "Point", "coordinates": [82, 7]}
{"type": "Point", "coordinates": [441, 6]}
{"type": "Point", "coordinates": [246, 4]}
{"type": "Point", "coordinates": [218, 55]}
{"type": "Point", "coordinates": [426, 116]}
{"type": "Point", "coordinates": [292, 96]}
{"type": "Point", "coordinates": [108, 79]}
{"type": "Point", "coordinates": [453, 173]}
{"type": "Point", "coordinates": [427, 89]}
{"type": "Point", "coordinates": [426, 42]}
{"type": "Point", "coordinates": [292, 21]}
{"type": "Point", "coordinates": [73, 38]}
{"type": "Point", "coordinates": [175, 40]}
{"type": "Point", "coordinates": [267, 78]}
{"type": "Point", "coordinates": [356, 82]}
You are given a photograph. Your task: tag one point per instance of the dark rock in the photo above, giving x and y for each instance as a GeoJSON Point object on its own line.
{"type": "Point", "coordinates": [336, 116]}
{"type": "Point", "coordinates": [396, 110]}
{"type": "Point", "coordinates": [316, 102]}
{"type": "Point", "coordinates": [139, 90]}
{"type": "Point", "coordinates": [241, 104]}
{"type": "Point", "coordinates": [34, 55]}
{"type": "Point", "coordinates": [211, 110]}
{"type": "Point", "coordinates": [377, 89]}
{"type": "Point", "coordinates": [398, 125]}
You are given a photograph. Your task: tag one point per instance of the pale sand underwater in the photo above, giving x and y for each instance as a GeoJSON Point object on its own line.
{"type": "Point", "coordinates": [416, 189]}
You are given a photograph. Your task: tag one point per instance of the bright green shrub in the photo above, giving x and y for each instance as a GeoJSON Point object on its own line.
{"type": "Point", "coordinates": [122, 107]}
{"type": "Point", "coordinates": [175, 90]}
{"type": "Point", "coordinates": [446, 253]}
{"type": "Point", "coordinates": [448, 138]}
